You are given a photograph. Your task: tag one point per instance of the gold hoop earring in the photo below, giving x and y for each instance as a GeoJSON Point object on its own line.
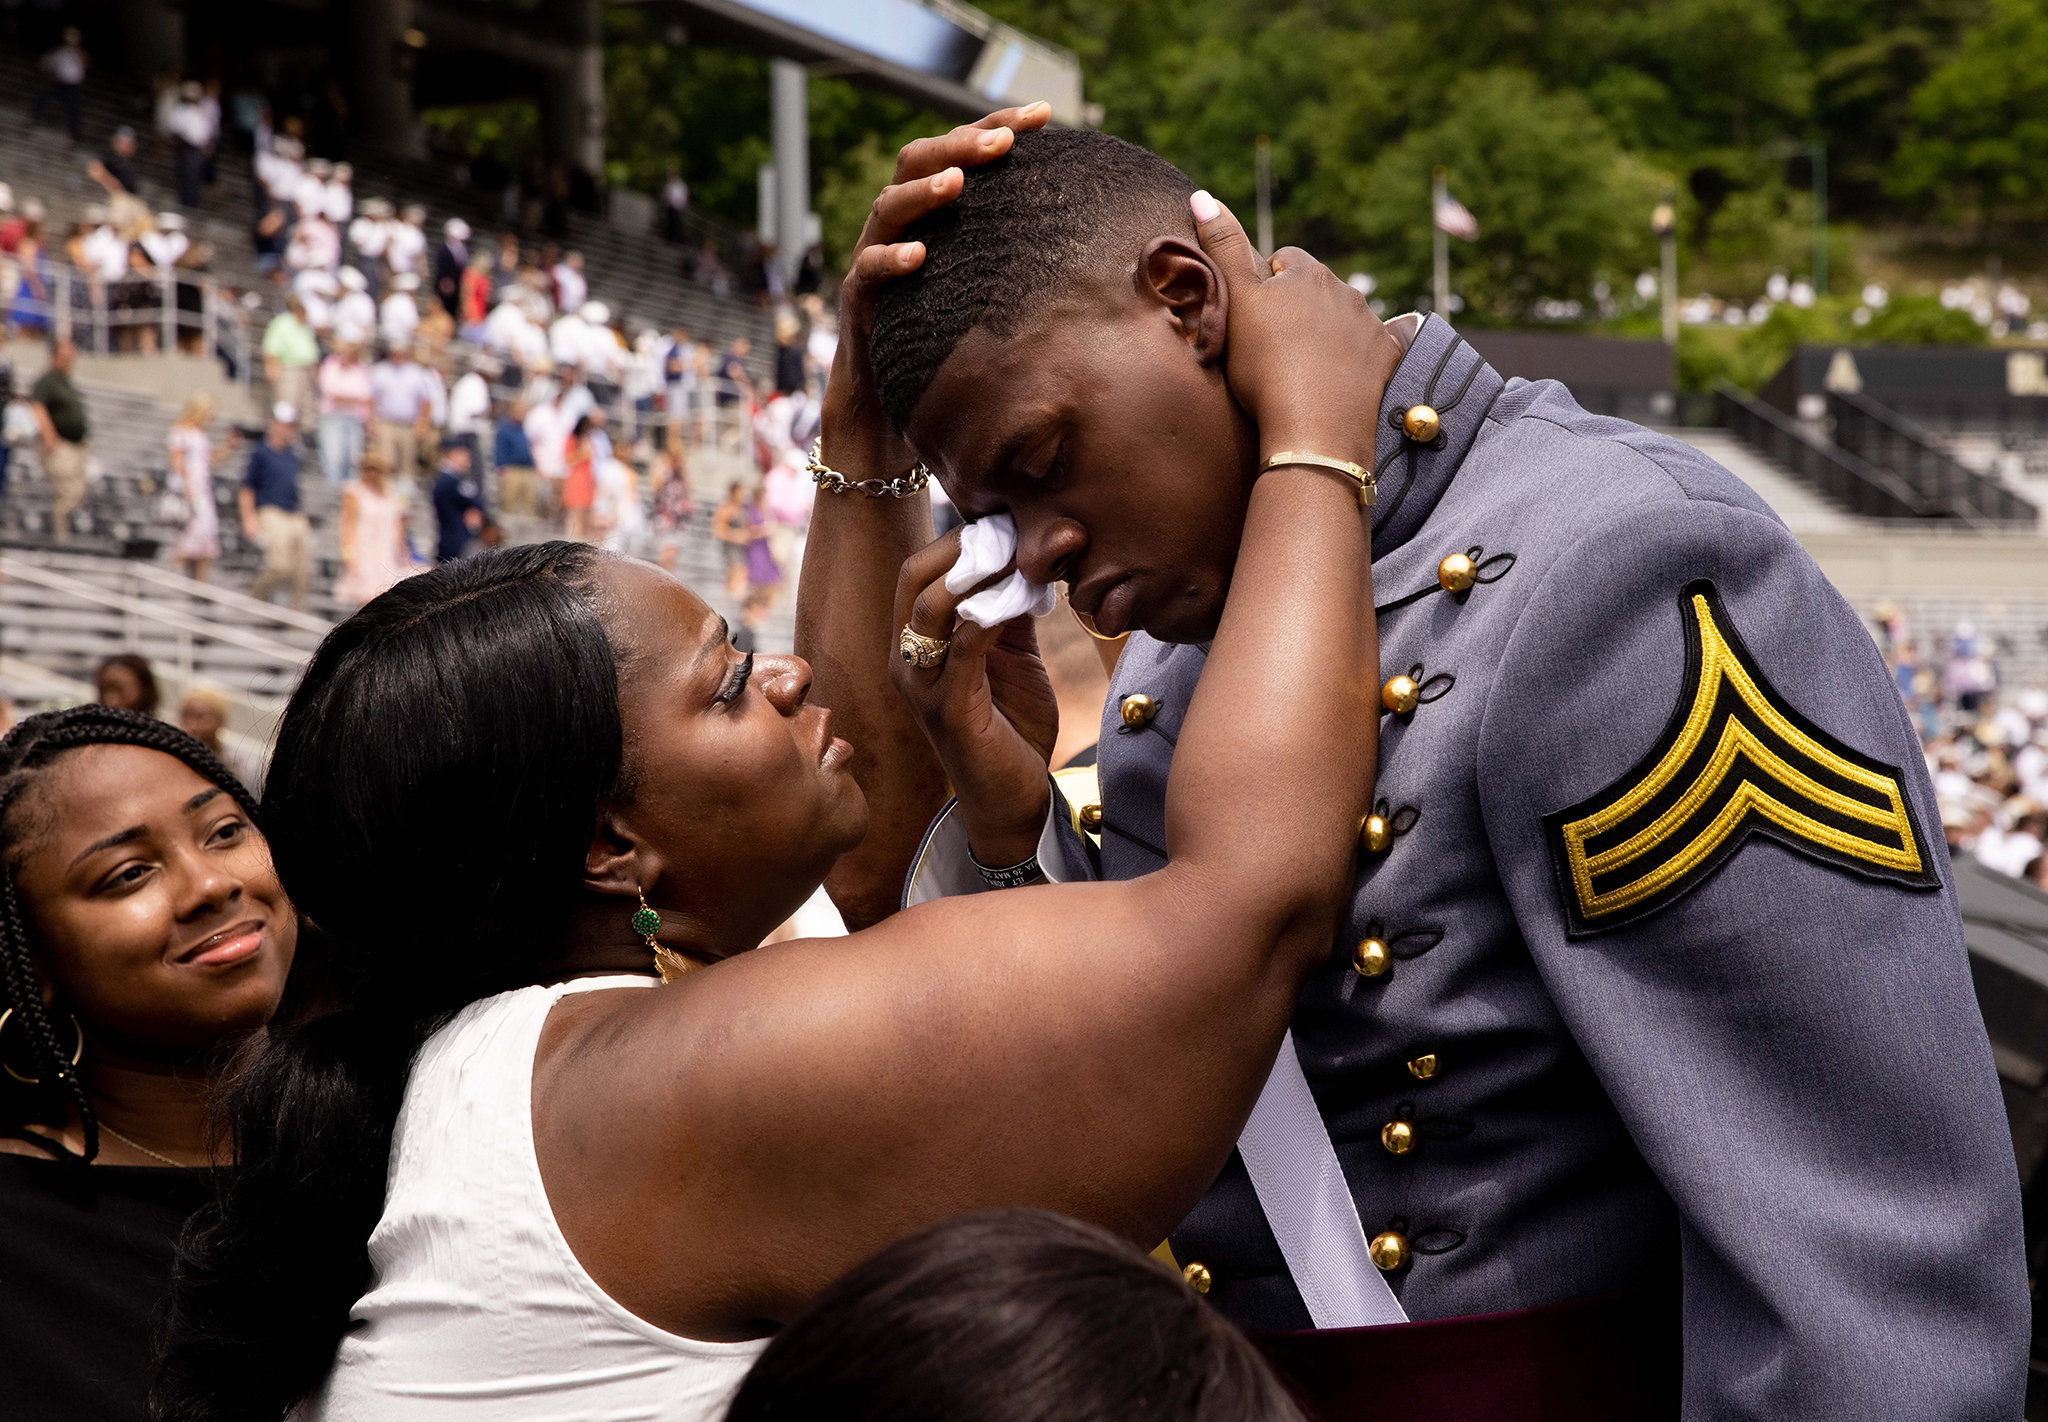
{"type": "Point", "coordinates": [1088, 626]}
{"type": "Point", "coordinates": [646, 923]}
{"type": "Point", "coordinates": [77, 1048]}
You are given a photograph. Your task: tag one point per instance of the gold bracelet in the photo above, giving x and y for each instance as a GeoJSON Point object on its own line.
{"type": "Point", "coordinates": [1367, 485]}
{"type": "Point", "coordinates": [833, 482]}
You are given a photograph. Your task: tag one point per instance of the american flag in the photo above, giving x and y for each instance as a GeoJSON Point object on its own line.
{"type": "Point", "coordinates": [1452, 217]}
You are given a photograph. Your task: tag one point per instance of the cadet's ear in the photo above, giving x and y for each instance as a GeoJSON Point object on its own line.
{"type": "Point", "coordinates": [1180, 277]}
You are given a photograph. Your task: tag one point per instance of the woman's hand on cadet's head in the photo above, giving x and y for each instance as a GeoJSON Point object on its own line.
{"type": "Point", "coordinates": [929, 174]}
{"type": "Point", "coordinates": [1304, 354]}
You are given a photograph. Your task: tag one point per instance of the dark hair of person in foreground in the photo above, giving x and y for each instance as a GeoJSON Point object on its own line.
{"type": "Point", "coordinates": [1011, 1316]}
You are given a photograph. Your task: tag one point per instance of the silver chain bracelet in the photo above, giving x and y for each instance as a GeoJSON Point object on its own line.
{"type": "Point", "coordinates": [833, 482]}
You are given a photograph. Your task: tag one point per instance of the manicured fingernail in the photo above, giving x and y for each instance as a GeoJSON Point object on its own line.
{"type": "Point", "coordinates": [1205, 208]}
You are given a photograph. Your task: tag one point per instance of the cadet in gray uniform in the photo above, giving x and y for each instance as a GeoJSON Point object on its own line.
{"type": "Point", "coordinates": [1654, 975]}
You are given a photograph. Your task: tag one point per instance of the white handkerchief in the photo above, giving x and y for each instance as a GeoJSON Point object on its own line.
{"type": "Point", "coordinates": [985, 546]}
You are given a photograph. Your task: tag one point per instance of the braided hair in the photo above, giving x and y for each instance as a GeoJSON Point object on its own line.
{"type": "Point", "coordinates": [1062, 204]}
{"type": "Point", "coordinates": [26, 754]}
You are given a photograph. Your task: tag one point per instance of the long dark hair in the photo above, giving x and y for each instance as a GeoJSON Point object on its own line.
{"type": "Point", "coordinates": [437, 777]}
{"type": "Point", "coordinates": [26, 753]}
{"type": "Point", "coordinates": [1010, 1316]}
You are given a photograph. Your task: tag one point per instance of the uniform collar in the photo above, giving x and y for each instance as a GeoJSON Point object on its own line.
{"type": "Point", "coordinates": [1440, 370]}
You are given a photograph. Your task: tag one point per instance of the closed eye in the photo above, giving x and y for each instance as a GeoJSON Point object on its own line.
{"type": "Point", "coordinates": [737, 683]}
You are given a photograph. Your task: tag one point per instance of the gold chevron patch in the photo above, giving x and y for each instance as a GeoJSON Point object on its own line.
{"type": "Point", "coordinates": [1734, 761]}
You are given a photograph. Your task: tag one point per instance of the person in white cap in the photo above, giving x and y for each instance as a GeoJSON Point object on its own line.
{"type": "Point", "coordinates": [193, 129]}
{"type": "Point", "coordinates": [341, 195]}
{"type": "Point", "coordinates": [354, 307]}
{"type": "Point", "coordinates": [571, 290]}
{"type": "Point", "coordinates": [316, 291]}
{"type": "Point", "coordinates": [315, 245]}
{"type": "Point", "coordinates": [568, 337]}
{"type": "Point", "coordinates": [449, 261]}
{"type": "Point", "coordinates": [311, 193]}
{"type": "Point", "coordinates": [407, 249]}
{"type": "Point", "coordinates": [167, 244]}
{"type": "Point", "coordinates": [399, 315]}
{"type": "Point", "coordinates": [369, 236]}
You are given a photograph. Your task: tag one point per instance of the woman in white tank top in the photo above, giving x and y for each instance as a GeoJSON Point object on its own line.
{"type": "Point", "coordinates": [488, 1167]}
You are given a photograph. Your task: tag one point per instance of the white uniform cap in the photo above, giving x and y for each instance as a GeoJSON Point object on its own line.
{"type": "Point", "coordinates": [596, 313]}
{"type": "Point", "coordinates": [284, 413]}
{"type": "Point", "coordinates": [456, 229]}
{"type": "Point", "coordinates": [353, 279]}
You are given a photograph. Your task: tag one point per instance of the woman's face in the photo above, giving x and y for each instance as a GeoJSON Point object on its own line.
{"type": "Point", "coordinates": [120, 686]}
{"type": "Point", "coordinates": [152, 903]}
{"type": "Point", "coordinates": [741, 795]}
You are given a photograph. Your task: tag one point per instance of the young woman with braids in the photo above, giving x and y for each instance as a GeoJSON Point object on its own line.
{"type": "Point", "coordinates": [143, 935]}
{"type": "Point", "coordinates": [513, 1176]}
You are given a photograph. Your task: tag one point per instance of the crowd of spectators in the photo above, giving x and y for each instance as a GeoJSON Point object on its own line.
{"type": "Point", "coordinates": [405, 340]}
{"type": "Point", "coordinates": [486, 372]}
{"type": "Point", "coordinates": [1986, 744]}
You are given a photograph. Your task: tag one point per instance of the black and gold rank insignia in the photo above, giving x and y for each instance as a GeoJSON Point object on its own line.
{"type": "Point", "coordinates": [1734, 761]}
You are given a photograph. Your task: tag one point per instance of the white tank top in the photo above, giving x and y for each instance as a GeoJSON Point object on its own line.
{"type": "Point", "coordinates": [477, 1308]}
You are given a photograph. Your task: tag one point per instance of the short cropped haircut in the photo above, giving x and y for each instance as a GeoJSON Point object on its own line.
{"type": "Point", "coordinates": [1011, 1316]}
{"type": "Point", "coordinates": [1062, 204]}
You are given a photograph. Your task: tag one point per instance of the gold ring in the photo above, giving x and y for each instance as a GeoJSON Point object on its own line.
{"type": "Point", "coordinates": [921, 651]}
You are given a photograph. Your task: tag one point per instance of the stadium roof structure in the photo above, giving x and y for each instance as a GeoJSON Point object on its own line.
{"type": "Point", "coordinates": [940, 53]}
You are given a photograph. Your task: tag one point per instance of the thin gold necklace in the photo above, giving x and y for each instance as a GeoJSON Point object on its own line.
{"type": "Point", "coordinates": [138, 1145]}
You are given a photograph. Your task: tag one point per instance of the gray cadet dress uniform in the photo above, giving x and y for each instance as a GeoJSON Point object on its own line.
{"type": "Point", "coordinates": [1654, 962]}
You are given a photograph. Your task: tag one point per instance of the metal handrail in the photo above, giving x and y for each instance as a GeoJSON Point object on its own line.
{"type": "Point", "coordinates": [139, 610]}
{"type": "Point", "coordinates": [178, 583]}
{"type": "Point", "coordinates": [1890, 440]}
{"type": "Point", "coordinates": [1840, 475]}
{"type": "Point", "coordinates": [78, 297]}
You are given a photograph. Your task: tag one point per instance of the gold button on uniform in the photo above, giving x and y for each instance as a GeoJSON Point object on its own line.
{"type": "Point", "coordinates": [1457, 573]}
{"type": "Point", "coordinates": [1091, 817]}
{"type": "Point", "coordinates": [1423, 1067]}
{"type": "Point", "coordinates": [1401, 695]}
{"type": "Point", "coordinates": [1421, 424]}
{"type": "Point", "coordinates": [1389, 1250]}
{"type": "Point", "coordinates": [1139, 710]}
{"type": "Point", "coordinates": [1371, 958]}
{"type": "Point", "coordinates": [1377, 833]}
{"type": "Point", "coordinates": [1197, 1276]}
{"type": "Point", "coordinates": [1398, 1137]}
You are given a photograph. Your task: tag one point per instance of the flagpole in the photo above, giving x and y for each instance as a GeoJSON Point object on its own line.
{"type": "Point", "coordinates": [1439, 190]}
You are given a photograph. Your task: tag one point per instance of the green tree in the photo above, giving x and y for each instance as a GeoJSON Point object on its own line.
{"type": "Point", "coordinates": [1980, 123]}
{"type": "Point", "coordinates": [1557, 203]}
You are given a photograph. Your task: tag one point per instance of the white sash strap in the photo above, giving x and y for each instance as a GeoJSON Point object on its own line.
{"type": "Point", "coordinates": [1294, 1169]}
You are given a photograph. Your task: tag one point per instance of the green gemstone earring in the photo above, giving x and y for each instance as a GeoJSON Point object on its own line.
{"type": "Point", "coordinates": [646, 923]}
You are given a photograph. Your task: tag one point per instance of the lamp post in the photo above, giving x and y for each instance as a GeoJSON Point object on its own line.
{"type": "Point", "coordinates": [1664, 222]}
{"type": "Point", "coordinates": [1817, 151]}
